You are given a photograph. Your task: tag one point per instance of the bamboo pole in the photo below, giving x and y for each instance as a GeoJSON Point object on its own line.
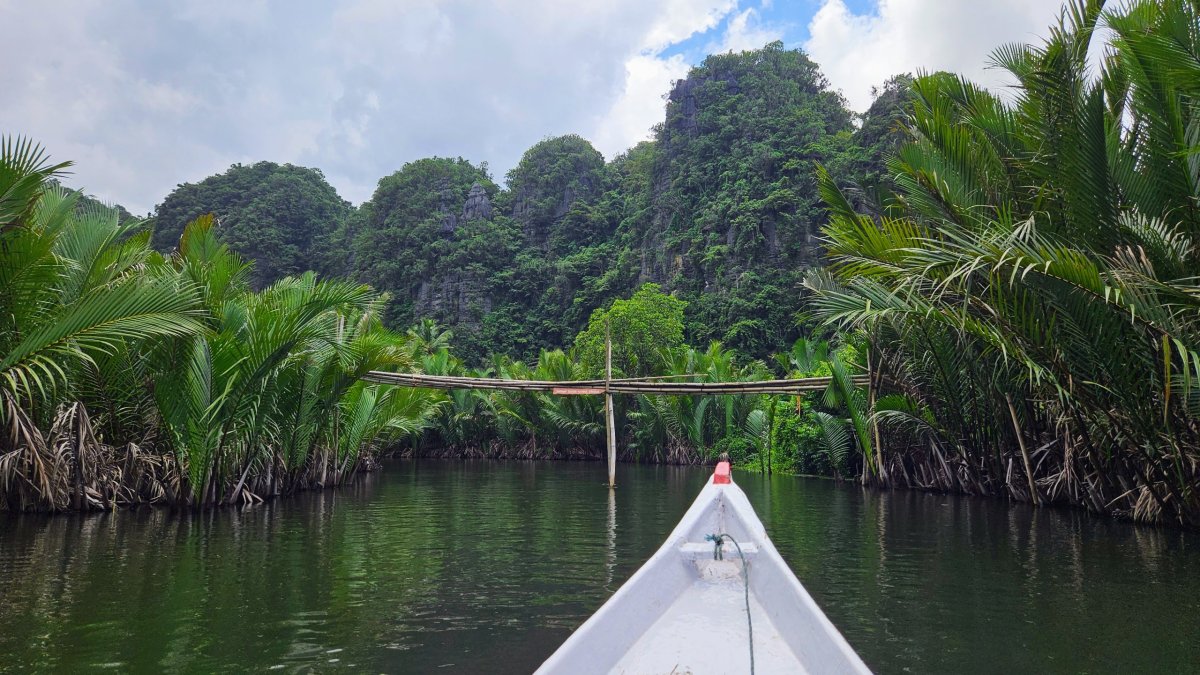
{"type": "Point", "coordinates": [608, 408]}
{"type": "Point", "coordinates": [872, 387]}
{"type": "Point", "coordinates": [1033, 495]}
{"type": "Point", "coordinates": [770, 435]}
{"type": "Point", "coordinates": [77, 493]}
{"type": "Point", "coordinates": [616, 386]}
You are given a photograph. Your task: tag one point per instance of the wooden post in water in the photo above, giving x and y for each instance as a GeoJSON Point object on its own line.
{"type": "Point", "coordinates": [1033, 493]}
{"type": "Point", "coordinates": [608, 408]}
{"type": "Point", "coordinates": [77, 493]}
{"type": "Point", "coordinates": [872, 388]}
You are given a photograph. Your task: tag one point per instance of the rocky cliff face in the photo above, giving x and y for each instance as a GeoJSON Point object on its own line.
{"type": "Point", "coordinates": [452, 295]}
{"type": "Point", "coordinates": [408, 234]}
{"type": "Point", "coordinates": [745, 129]}
{"type": "Point", "coordinates": [453, 298]}
{"type": "Point", "coordinates": [734, 210]}
{"type": "Point", "coordinates": [721, 209]}
{"type": "Point", "coordinates": [279, 215]}
{"type": "Point", "coordinates": [477, 206]}
{"type": "Point", "coordinates": [551, 177]}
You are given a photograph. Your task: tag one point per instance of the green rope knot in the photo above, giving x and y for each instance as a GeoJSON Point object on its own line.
{"type": "Point", "coordinates": [716, 540]}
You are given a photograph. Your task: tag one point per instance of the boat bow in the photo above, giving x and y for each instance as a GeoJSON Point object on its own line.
{"type": "Point", "coordinates": [685, 610]}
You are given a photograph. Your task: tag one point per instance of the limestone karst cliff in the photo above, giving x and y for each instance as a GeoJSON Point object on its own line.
{"type": "Point", "coordinates": [719, 207]}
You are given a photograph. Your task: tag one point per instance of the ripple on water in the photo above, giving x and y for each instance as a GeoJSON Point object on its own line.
{"type": "Point", "coordinates": [486, 567]}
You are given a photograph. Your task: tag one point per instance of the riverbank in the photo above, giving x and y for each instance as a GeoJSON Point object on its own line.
{"type": "Point", "coordinates": [61, 475]}
{"type": "Point", "coordinates": [128, 478]}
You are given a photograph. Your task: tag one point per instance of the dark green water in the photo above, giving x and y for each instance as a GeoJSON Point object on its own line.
{"type": "Point", "coordinates": [486, 567]}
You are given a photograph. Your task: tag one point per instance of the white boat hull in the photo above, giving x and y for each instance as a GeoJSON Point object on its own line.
{"type": "Point", "coordinates": [684, 612]}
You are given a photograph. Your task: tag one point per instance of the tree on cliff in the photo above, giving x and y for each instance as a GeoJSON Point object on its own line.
{"type": "Point", "coordinates": [425, 237]}
{"type": "Point", "coordinates": [735, 208]}
{"type": "Point", "coordinates": [278, 215]}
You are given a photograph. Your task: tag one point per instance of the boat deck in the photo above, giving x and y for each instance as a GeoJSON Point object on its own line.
{"type": "Point", "coordinates": [704, 631]}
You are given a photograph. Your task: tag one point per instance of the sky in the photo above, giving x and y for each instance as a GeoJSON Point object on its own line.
{"type": "Point", "coordinates": [145, 94]}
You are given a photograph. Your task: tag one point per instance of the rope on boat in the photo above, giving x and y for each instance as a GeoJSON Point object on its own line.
{"type": "Point", "coordinates": [719, 555]}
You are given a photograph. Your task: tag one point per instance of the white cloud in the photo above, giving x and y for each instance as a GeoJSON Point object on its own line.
{"type": "Point", "coordinates": [143, 95]}
{"type": "Point", "coordinates": [649, 74]}
{"type": "Point", "coordinates": [857, 52]}
{"type": "Point", "coordinates": [640, 106]}
{"type": "Point", "coordinates": [744, 32]}
{"type": "Point", "coordinates": [681, 19]}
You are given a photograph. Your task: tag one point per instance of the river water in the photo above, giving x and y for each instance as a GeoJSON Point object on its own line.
{"type": "Point", "coordinates": [486, 567]}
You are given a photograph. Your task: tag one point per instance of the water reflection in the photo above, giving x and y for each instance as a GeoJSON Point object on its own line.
{"type": "Point", "coordinates": [611, 560]}
{"type": "Point", "coordinates": [486, 567]}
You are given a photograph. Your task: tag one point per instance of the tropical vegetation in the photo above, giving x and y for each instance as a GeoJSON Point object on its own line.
{"type": "Point", "coordinates": [134, 377]}
{"type": "Point", "coordinates": [1016, 273]}
{"type": "Point", "coordinates": [128, 377]}
{"type": "Point", "coordinates": [286, 219]}
{"type": "Point", "coordinates": [1029, 284]}
{"type": "Point", "coordinates": [812, 434]}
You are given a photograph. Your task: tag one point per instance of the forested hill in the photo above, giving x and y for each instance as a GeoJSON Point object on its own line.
{"type": "Point", "coordinates": [279, 216]}
{"type": "Point", "coordinates": [721, 208]}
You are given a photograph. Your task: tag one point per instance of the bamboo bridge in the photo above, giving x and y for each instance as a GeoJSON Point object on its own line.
{"type": "Point", "coordinates": [609, 386]}
{"type": "Point", "coordinates": [626, 385]}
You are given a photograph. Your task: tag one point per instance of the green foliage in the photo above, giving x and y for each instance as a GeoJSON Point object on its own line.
{"type": "Point", "coordinates": [72, 288]}
{"type": "Point", "coordinates": [821, 434]}
{"type": "Point", "coordinates": [882, 132]}
{"type": "Point", "coordinates": [85, 203]}
{"type": "Point", "coordinates": [720, 210]}
{"type": "Point", "coordinates": [413, 240]}
{"type": "Point", "coordinates": [127, 377]}
{"type": "Point", "coordinates": [731, 227]}
{"type": "Point", "coordinates": [1013, 270]}
{"type": "Point", "coordinates": [1033, 282]}
{"type": "Point", "coordinates": [275, 384]}
{"type": "Point", "coordinates": [662, 428]}
{"type": "Point", "coordinates": [801, 440]}
{"type": "Point", "coordinates": [285, 218]}
{"type": "Point", "coordinates": [640, 328]}
{"type": "Point", "coordinates": [550, 189]}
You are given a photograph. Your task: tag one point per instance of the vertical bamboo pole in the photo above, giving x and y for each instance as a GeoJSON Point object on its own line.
{"type": "Point", "coordinates": [1033, 494]}
{"type": "Point", "coordinates": [77, 493]}
{"type": "Point", "coordinates": [610, 560]}
{"type": "Point", "coordinates": [872, 388]}
{"type": "Point", "coordinates": [608, 408]}
{"type": "Point", "coordinates": [770, 434]}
